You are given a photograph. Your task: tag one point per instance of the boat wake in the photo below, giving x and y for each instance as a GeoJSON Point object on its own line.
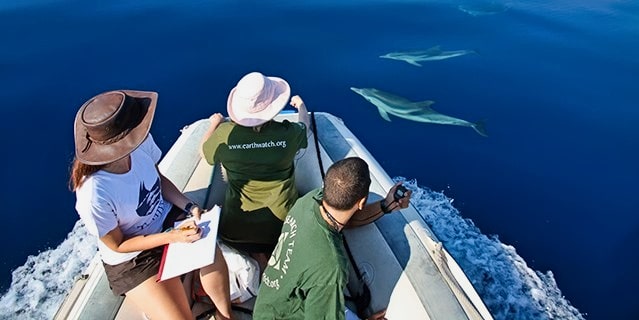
{"type": "Point", "coordinates": [39, 286]}
{"type": "Point", "coordinates": [510, 289]}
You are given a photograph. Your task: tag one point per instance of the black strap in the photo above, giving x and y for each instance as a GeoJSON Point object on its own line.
{"type": "Point", "coordinates": [361, 298]}
{"type": "Point", "coordinates": [317, 147]}
{"type": "Point", "coordinates": [242, 309]}
{"type": "Point", "coordinates": [211, 312]}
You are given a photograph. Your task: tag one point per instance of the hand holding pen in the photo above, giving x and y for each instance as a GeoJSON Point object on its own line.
{"type": "Point", "coordinates": [188, 232]}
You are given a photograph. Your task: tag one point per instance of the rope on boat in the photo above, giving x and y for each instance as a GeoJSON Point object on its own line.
{"type": "Point", "coordinates": [441, 261]}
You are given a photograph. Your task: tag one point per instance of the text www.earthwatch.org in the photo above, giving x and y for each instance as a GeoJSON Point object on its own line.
{"type": "Point", "coordinates": [255, 145]}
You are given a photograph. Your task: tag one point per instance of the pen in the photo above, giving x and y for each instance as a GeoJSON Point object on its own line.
{"type": "Point", "coordinates": [186, 228]}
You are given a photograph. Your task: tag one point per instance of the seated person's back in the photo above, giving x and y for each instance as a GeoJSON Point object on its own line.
{"type": "Point", "coordinates": [258, 156]}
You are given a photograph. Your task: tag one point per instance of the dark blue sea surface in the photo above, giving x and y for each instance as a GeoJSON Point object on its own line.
{"type": "Point", "coordinates": [555, 82]}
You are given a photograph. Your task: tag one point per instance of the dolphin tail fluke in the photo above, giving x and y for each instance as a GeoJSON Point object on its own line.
{"type": "Point", "coordinates": [480, 127]}
{"type": "Point", "coordinates": [384, 114]}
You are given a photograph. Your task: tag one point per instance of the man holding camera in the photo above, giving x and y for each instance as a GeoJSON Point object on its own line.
{"type": "Point", "coordinates": [308, 270]}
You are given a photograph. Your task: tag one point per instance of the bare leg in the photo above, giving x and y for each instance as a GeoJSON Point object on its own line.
{"type": "Point", "coordinates": [161, 300]}
{"type": "Point", "coordinates": [215, 281]}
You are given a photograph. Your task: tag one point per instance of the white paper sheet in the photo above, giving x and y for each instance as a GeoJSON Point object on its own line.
{"type": "Point", "coordinates": [180, 258]}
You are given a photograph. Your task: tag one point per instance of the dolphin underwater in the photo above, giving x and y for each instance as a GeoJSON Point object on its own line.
{"type": "Point", "coordinates": [482, 9]}
{"type": "Point", "coordinates": [432, 54]}
{"type": "Point", "coordinates": [388, 103]}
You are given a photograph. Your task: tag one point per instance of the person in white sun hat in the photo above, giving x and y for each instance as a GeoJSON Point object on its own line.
{"type": "Point", "coordinates": [257, 154]}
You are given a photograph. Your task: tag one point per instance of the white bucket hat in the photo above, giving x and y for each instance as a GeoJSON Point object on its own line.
{"type": "Point", "coordinates": [257, 99]}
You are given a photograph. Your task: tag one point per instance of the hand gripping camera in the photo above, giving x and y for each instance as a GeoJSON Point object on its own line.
{"type": "Point", "coordinates": [400, 192]}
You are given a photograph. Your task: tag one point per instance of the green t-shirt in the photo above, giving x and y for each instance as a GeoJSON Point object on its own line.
{"type": "Point", "coordinates": [308, 270]}
{"type": "Point", "coordinates": [259, 167]}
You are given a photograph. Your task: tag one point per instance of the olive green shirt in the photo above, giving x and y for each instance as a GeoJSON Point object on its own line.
{"type": "Point", "coordinates": [260, 172]}
{"type": "Point", "coordinates": [308, 270]}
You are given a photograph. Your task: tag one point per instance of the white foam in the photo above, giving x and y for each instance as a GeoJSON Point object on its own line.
{"type": "Point", "coordinates": [39, 286]}
{"type": "Point", "coordinates": [510, 289]}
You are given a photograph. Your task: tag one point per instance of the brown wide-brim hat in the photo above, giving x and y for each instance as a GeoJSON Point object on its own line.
{"type": "Point", "coordinates": [112, 124]}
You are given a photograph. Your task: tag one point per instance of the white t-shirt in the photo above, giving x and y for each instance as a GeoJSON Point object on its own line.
{"type": "Point", "coordinates": [131, 201]}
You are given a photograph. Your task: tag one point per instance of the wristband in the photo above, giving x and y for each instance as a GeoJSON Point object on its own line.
{"type": "Point", "coordinates": [384, 208]}
{"type": "Point", "coordinates": [189, 206]}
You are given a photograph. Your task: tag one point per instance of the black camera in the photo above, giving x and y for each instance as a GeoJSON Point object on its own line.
{"type": "Point", "coordinates": [400, 192]}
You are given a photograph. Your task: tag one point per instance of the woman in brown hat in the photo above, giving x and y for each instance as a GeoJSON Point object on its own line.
{"type": "Point", "coordinates": [257, 154]}
{"type": "Point", "coordinates": [125, 201]}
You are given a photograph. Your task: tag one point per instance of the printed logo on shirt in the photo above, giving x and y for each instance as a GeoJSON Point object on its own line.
{"type": "Point", "coordinates": [148, 199]}
{"type": "Point", "coordinates": [282, 253]}
{"type": "Point", "coordinates": [256, 145]}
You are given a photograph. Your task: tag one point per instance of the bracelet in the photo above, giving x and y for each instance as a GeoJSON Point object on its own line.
{"type": "Point", "coordinates": [189, 206]}
{"type": "Point", "coordinates": [384, 208]}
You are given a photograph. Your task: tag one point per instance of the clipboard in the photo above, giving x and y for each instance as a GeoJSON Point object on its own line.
{"type": "Point", "coordinates": [180, 257]}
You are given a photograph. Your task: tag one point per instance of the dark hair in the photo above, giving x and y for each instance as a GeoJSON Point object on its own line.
{"type": "Point", "coordinates": [347, 181]}
{"type": "Point", "coordinates": [79, 171]}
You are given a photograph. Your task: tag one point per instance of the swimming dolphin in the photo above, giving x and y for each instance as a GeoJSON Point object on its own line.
{"type": "Point", "coordinates": [483, 9]}
{"type": "Point", "coordinates": [432, 54]}
{"type": "Point", "coordinates": [388, 103]}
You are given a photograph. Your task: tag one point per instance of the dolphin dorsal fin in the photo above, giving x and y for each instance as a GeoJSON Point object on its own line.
{"type": "Point", "coordinates": [423, 104]}
{"type": "Point", "coordinates": [384, 114]}
{"type": "Point", "coordinates": [435, 49]}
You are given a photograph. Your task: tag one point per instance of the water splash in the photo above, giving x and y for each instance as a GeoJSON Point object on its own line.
{"type": "Point", "coordinates": [509, 288]}
{"type": "Point", "coordinates": [39, 286]}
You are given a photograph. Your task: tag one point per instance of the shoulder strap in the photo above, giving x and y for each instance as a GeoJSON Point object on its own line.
{"type": "Point", "coordinates": [361, 294]}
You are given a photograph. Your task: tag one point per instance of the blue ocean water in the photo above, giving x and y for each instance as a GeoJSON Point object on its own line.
{"type": "Point", "coordinates": [542, 208]}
